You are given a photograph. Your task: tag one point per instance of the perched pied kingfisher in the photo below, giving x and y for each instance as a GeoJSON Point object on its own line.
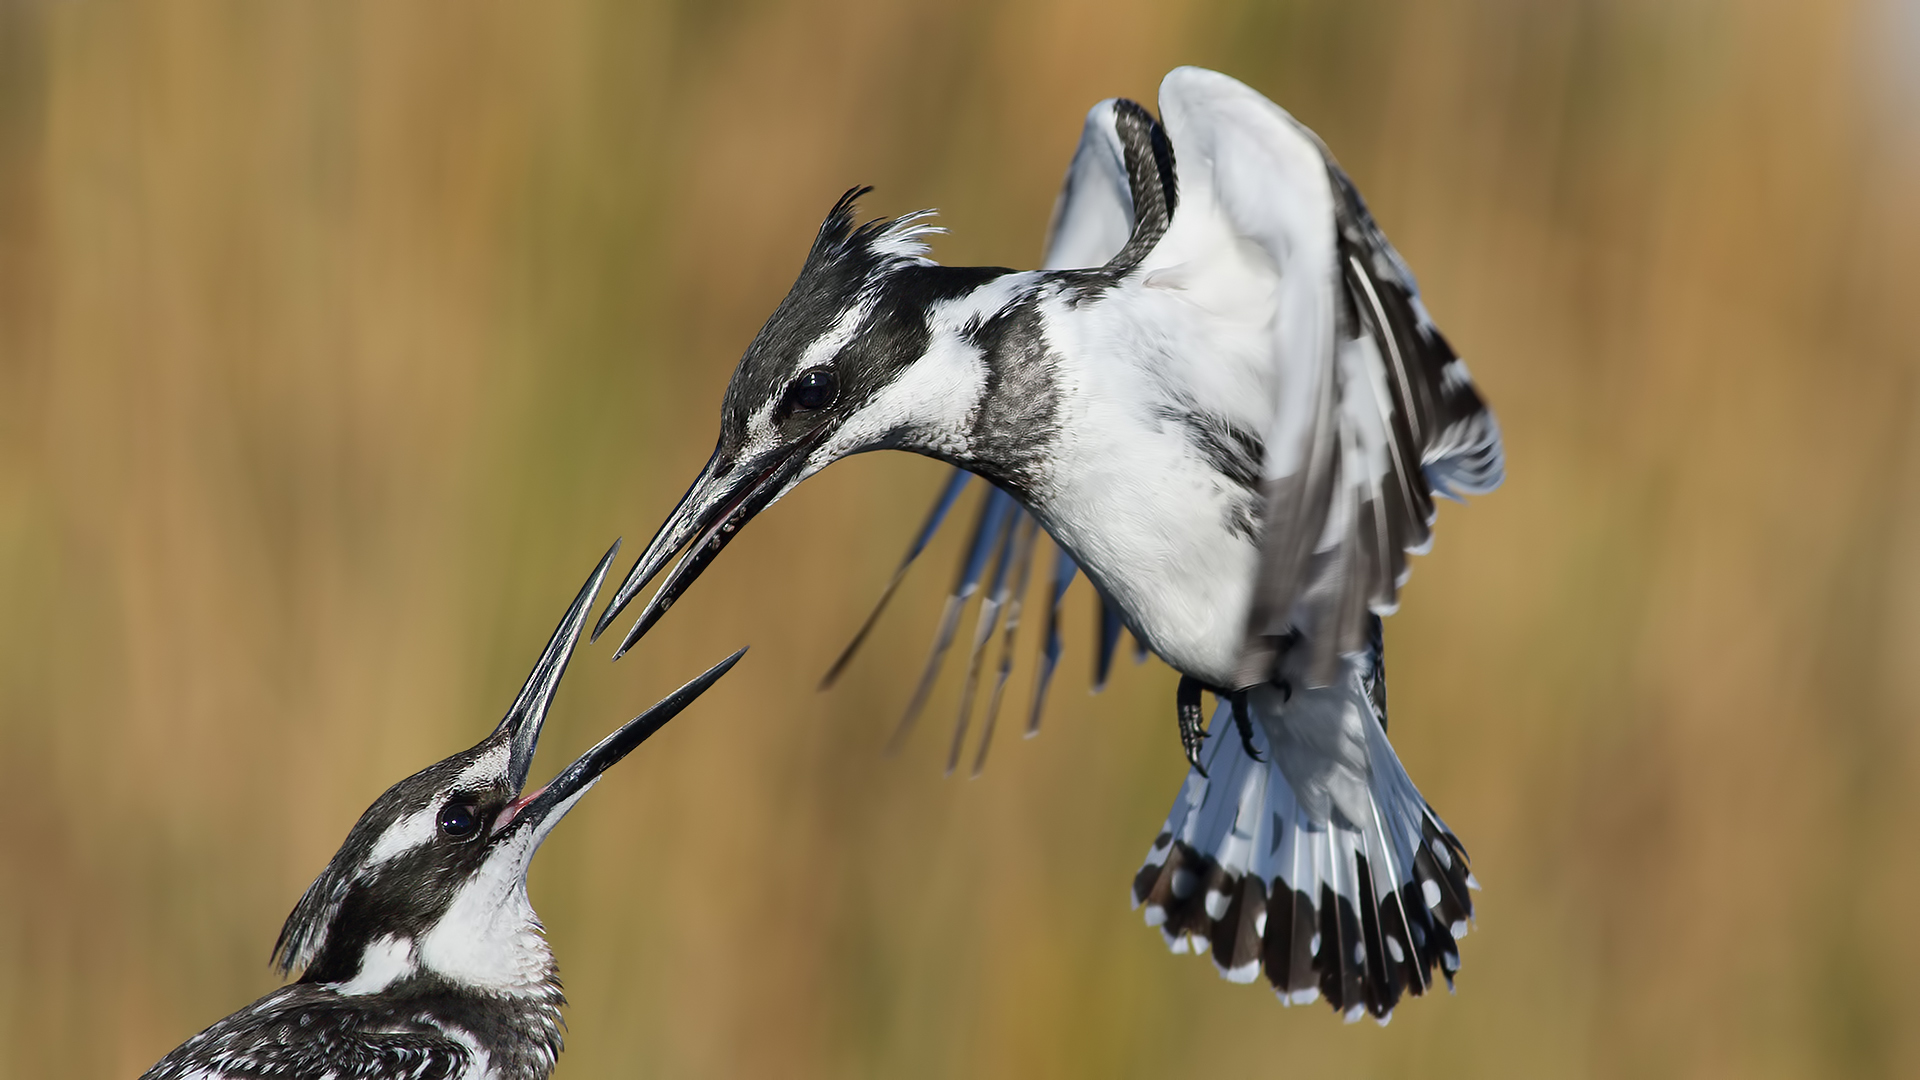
{"type": "Point", "coordinates": [1225, 402]}
{"type": "Point", "coordinates": [422, 958]}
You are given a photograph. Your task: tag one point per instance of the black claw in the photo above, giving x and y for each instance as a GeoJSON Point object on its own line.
{"type": "Point", "coordinates": [1193, 732]}
{"type": "Point", "coordinates": [1243, 722]}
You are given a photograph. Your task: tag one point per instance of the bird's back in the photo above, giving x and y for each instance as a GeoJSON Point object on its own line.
{"type": "Point", "coordinates": [309, 1030]}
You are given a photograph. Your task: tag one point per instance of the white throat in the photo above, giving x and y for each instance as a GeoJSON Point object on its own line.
{"type": "Point", "coordinates": [490, 938]}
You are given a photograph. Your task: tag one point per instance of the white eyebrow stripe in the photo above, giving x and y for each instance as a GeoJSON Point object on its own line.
{"type": "Point", "coordinates": [821, 350]}
{"type": "Point", "coordinates": [404, 835]}
{"type": "Point", "coordinates": [827, 345]}
{"type": "Point", "coordinates": [420, 826]}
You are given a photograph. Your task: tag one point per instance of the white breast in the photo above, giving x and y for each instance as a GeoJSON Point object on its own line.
{"type": "Point", "coordinates": [1131, 498]}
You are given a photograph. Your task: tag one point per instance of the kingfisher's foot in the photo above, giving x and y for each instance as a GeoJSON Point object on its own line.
{"type": "Point", "coordinates": [1193, 731]}
{"type": "Point", "coordinates": [1243, 722]}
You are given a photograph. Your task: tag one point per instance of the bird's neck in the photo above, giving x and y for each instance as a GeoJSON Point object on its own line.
{"type": "Point", "coordinates": [989, 344]}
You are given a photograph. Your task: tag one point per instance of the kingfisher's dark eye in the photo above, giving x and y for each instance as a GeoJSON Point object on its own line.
{"type": "Point", "coordinates": [814, 389]}
{"type": "Point", "coordinates": [459, 819]}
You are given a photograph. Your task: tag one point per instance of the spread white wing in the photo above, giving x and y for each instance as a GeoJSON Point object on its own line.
{"type": "Point", "coordinates": [1292, 315]}
{"type": "Point", "coordinates": [1233, 228]}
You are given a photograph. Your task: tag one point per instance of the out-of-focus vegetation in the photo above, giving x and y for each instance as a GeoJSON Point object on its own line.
{"type": "Point", "coordinates": [337, 339]}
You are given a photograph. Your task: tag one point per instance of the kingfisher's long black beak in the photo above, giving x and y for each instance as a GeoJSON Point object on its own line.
{"type": "Point", "coordinates": [533, 809]}
{"type": "Point", "coordinates": [723, 498]}
{"type": "Point", "coordinates": [523, 721]}
{"type": "Point", "coordinates": [529, 713]}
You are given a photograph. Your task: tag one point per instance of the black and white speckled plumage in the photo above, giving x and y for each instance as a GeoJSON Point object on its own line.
{"type": "Point", "coordinates": [420, 1029]}
{"type": "Point", "coordinates": [419, 955]}
{"type": "Point", "coordinates": [1225, 402]}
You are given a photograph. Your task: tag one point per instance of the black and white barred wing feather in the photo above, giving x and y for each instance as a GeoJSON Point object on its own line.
{"type": "Point", "coordinates": [288, 1036]}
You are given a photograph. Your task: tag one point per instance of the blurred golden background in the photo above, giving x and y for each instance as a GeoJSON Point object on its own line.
{"type": "Point", "coordinates": [338, 339]}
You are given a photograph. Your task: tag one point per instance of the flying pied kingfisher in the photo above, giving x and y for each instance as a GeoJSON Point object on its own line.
{"type": "Point", "coordinates": [421, 957]}
{"type": "Point", "coordinates": [1222, 398]}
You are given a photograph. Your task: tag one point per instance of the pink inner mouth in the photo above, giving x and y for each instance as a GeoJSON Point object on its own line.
{"type": "Point", "coordinates": [513, 809]}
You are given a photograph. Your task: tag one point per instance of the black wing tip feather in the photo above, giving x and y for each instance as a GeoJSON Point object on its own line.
{"type": "Point", "coordinates": [1143, 135]}
{"type": "Point", "coordinates": [972, 566]}
{"type": "Point", "coordinates": [1001, 526]}
{"type": "Point", "coordinates": [1022, 533]}
{"type": "Point", "coordinates": [860, 636]}
{"type": "Point", "coordinates": [1441, 440]}
{"type": "Point", "coordinates": [1064, 571]}
{"type": "Point", "coordinates": [1110, 627]}
{"type": "Point", "coordinates": [998, 536]}
{"type": "Point", "coordinates": [935, 516]}
{"type": "Point", "coordinates": [1439, 406]}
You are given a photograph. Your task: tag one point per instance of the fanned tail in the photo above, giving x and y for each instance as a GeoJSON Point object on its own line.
{"type": "Point", "coordinates": [1360, 908]}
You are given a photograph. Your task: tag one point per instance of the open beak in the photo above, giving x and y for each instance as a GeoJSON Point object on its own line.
{"type": "Point", "coordinates": [723, 498]}
{"type": "Point", "coordinates": [523, 721]}
{"type": "Point", "coordinates": [534, 808]}
{"type": "Point", "coordinates": [529, 712]}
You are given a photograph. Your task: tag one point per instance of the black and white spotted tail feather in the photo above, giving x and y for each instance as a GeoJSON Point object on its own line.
{"type": "Point", "coordinates": [1360, 913]}
{"type": "Point", "coordinates": [999, 553]}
